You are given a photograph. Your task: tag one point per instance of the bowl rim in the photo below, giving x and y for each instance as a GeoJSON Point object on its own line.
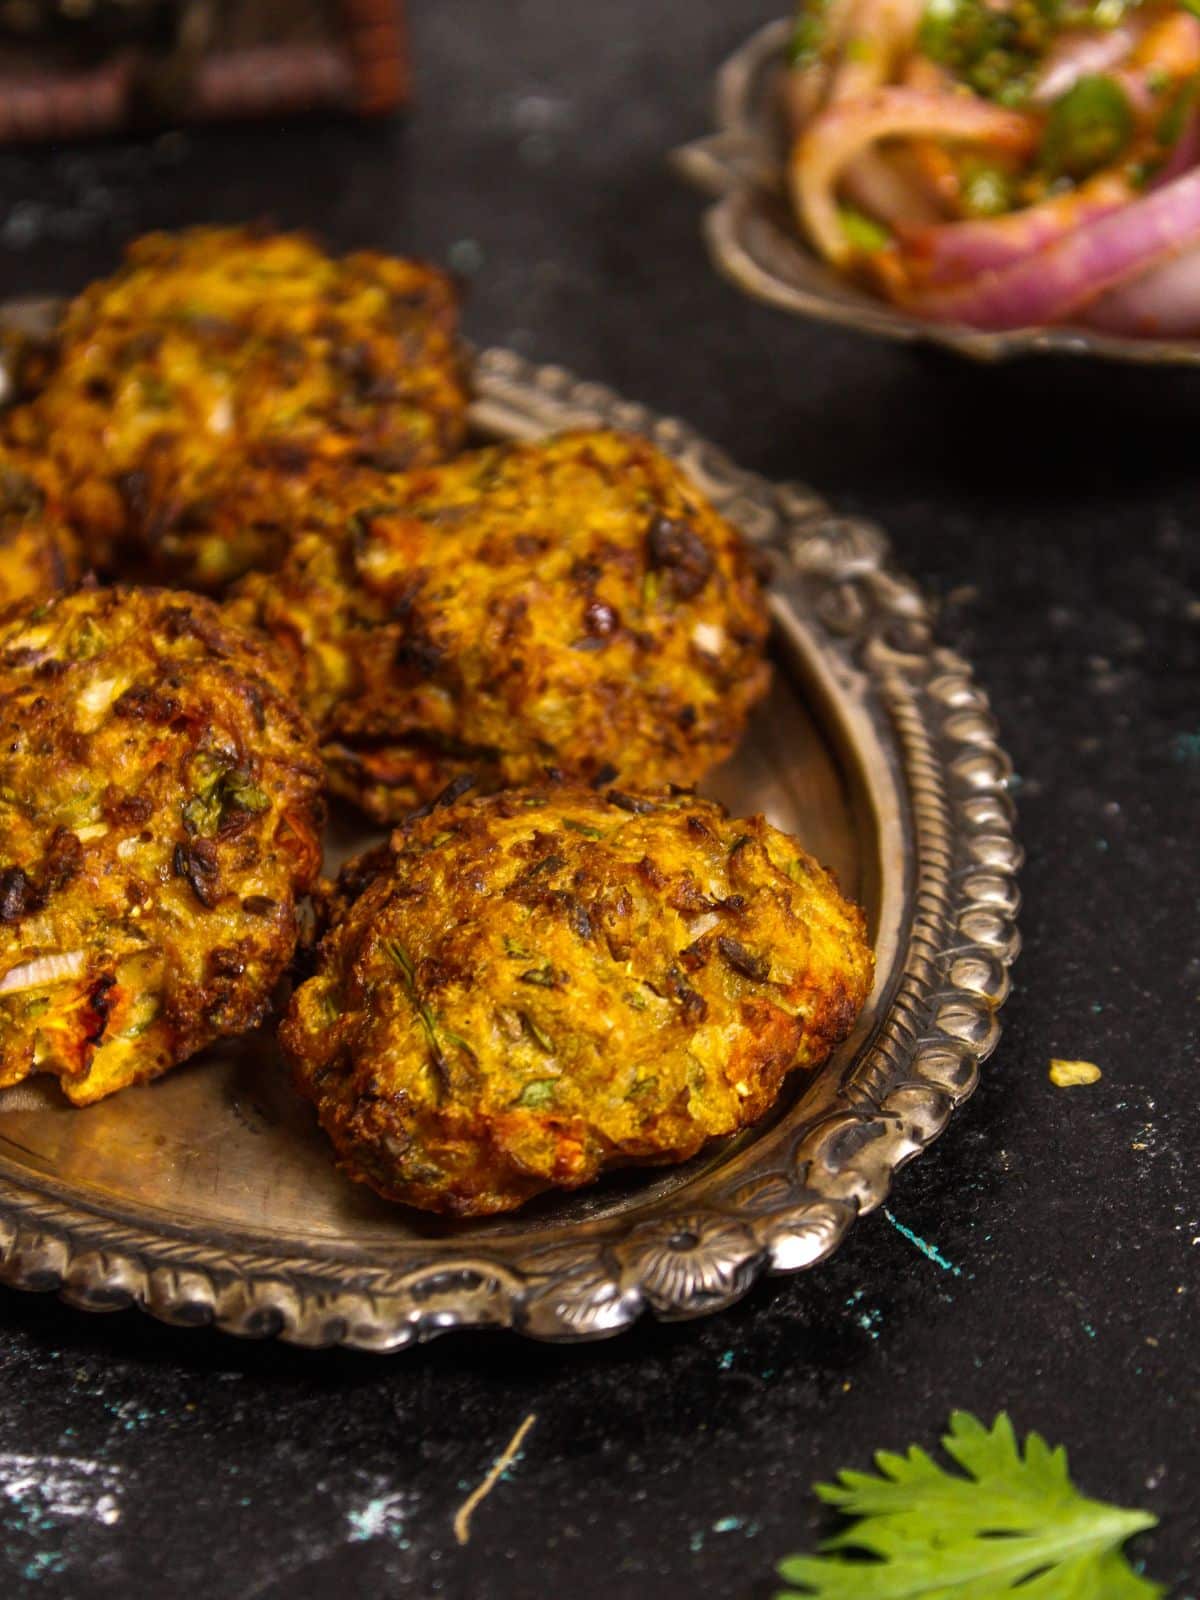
{"type": "Point", "coordinates": [753, 242]}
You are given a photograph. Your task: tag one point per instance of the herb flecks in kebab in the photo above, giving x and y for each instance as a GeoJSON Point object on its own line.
{"type": "Point", "coordinates": [160, 812]}
{"type": "Point", "coordinates": [573, 606]}
{"type": "Point", "coordinates": [535, 987]}
{"type": "Point", "coordinates": [195, 393]}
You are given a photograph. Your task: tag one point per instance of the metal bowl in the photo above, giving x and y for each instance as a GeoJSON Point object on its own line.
{"type": "Point", "coordinates": [210, 1196]}
{"type": "Point", "coordinates": [753, 238]}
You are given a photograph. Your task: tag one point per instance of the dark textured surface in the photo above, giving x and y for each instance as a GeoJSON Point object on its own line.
{"type": "Point", "coordinates": [1053, 509]}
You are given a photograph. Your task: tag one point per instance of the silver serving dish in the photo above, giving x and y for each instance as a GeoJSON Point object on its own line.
{"type": "Point", "coordinates": [210, 1196]}
{"type": "Point", "coordinates": [753, 238]}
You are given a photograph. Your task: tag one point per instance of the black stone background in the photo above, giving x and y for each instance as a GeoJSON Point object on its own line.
{"type": "Point", "coordinates": [1051, 508]}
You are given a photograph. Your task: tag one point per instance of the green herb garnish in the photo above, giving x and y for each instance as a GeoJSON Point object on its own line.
{"type": "Point", "coordinates": [997, 49]}
{"type": "Point", "coordinates": [993, 49]}
{"type": "Point", "coordinates": [539, 868]}
{"type": "Point", "coordinates": [86, 642]}
{"type": "Point", "coordinates": [986, 191]}
{"type": "Point", "coordinates": [154, 392]}
{"type": "Point", "coordinates": [862, 232]}
{"type": "Point", "coordinates": [396, 952]}
{"type": "Point", "coordinates": [1010, 1523]}
{"type": "Point", "coordinates": [1174, 119]}
{"type": "Point", "coordinates": [808, 34]}
{"type": "Point", "coordinates": [544, 976]}
{"type": "Point", "coordinates": [540, 1092]}
{"type": "Point", "coordinates": [147, 1013]}
{"type": "Point", "coordinates": [1089, 127]}
{"type": "Point", "coordinates": [538, 1034]}
{"type": "Point", "coordinates": [457, 1040]}
{"type": "Point", "coordinates": [584, 828]}
{"type": "Point", "coordinates": [222, 792]}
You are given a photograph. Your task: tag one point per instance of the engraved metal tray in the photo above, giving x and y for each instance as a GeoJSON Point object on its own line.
{"type": "Point", "coordinates": [210, 1196]}
{"type": "Point", "coordinates": [754, 241]}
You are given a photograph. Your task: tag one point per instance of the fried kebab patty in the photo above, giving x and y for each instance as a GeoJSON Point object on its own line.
{"type": "Point", "coordinates": [160, 812]}
{"type": "Point", "coordinates": [542, 985]}
{"type": "Point", "coordinates": [573, 606]}
{"type": "Point", "coordinates": [39, 554]}
{"type": "Point", "coordinates": [196, 390]}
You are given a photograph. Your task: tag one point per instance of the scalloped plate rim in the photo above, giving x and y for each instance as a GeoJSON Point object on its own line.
{"type": "Point", "coordinates": [934, 758]}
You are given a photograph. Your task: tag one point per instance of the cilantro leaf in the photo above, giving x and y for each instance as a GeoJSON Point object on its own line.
{"type": "Point", "coordinates": [1010, 1524]}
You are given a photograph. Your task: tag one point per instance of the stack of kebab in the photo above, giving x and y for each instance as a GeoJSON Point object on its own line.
{"type": "Point", "coordinates": [559, 962]}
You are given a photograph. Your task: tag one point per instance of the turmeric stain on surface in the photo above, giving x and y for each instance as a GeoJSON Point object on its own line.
{"type": "Point", "coordinates": [1074, 1074]}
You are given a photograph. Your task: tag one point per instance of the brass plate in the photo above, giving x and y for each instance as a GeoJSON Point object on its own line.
{"type": "Point", "coordinates": [754, 241]}
{"type": "Point", "coordinates": [210, 1195]}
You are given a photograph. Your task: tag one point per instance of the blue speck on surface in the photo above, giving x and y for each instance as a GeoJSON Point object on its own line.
{"type": "Point", "coordinates": [379, 1518]}
{"type": "Point", "coordinates": [746, 1526]}
{"type": "Point", "coordinates": [466, 256]}
{"type": "Point", "coordinates": [1185, 748]}
{"type": "Point", "coordinates": [726, 1360]}
{"type": "Point", "coordinates": [923, 1245]}
{"type": "Point", "coordinates": [43, 1564]}
{"type": "Point", "coordinates": [1089, 1330]}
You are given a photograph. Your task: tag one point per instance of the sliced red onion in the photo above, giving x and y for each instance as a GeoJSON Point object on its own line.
{"type": "Point", "coordinates": [1058, 282]}
{"type": "Point", "coordinates": [1163, 303]}
{"type": "Point", "coordinates": [1079, 55]}
{"type": "Point", "coordinates": [803, 91]}
{"type": "Point", "coordinates": [839, 134]}
{"type": "Point", "coordinates": [955, 251]}
{"type": "Point", "coordinates": [880, 32]}
{"type": "Point", "coordinates": [1133, 80]}
{"type": "Point", "coordinates": [876, 186]}
{"type": "Point", "coordinates": [1185, 152]}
